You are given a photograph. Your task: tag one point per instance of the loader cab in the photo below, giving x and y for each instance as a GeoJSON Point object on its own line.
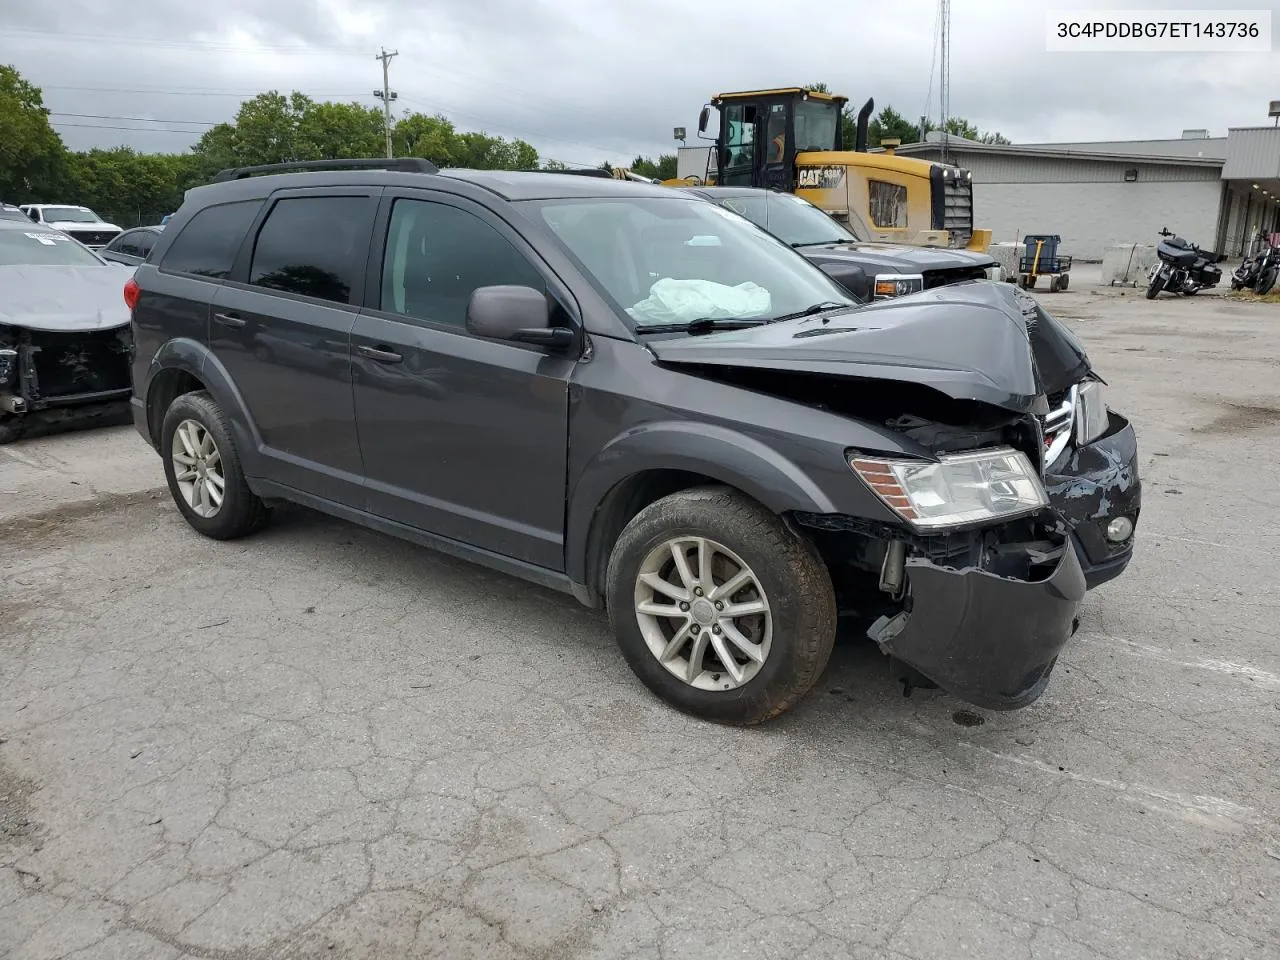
{"type": "Point", "coordinates": [761, 131]}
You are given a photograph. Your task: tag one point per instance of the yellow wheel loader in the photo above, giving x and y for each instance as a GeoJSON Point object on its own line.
{"type": "Point", "coordinates": [789, 139]}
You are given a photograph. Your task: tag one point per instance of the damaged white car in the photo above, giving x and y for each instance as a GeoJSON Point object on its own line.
{"type": "Point", "coordinates": [64, 331]}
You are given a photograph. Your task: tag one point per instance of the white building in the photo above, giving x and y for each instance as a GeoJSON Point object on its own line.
{"type": "Point", "coordinates": [1215, 191]}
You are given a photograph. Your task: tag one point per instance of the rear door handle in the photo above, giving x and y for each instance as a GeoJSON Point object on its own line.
{"type": "Point", "coordinates": [380, 353]}
{"type": "Point", "coordinates": [229, 319]}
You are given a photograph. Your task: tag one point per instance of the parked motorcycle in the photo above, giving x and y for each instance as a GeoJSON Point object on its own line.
{"type": "Point", "coordinates": [1183, 267]}
{"type": "Point", "coordinates": [1258, 271]}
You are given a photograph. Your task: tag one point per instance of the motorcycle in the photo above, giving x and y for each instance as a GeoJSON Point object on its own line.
{"type": "Point", "coordinates": [1183, 267]}
{"type": "Point", "coordinates": [1258, 272]}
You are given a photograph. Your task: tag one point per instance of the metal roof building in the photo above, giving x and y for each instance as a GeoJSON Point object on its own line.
{"type": "Point", "coordinates": [1215, 191]}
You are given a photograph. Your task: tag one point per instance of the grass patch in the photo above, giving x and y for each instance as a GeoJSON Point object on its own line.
{"type": "Point", "coordinates": [1248, 296]}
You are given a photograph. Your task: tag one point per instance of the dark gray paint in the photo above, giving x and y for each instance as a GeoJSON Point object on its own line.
{"type": "Point", "coordinates": [513, 455]}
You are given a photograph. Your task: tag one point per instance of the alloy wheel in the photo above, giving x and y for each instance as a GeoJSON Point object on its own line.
{"type": "Point", "coordinates": [197, 468]}
{"type": "Point", "coordinates": [703, 613]}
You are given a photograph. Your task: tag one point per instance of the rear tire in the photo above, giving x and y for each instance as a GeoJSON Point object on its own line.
{"type": "Point", "coordinates": [1265, 282]}
{"type": "Point", "coordinates": [11, 430]}
{"type": "Point", "coordinates": [777, 626]}
{"type": "Point", "coordinates": [1064, 281]}
{"type": "Point", "coordinates": [1156, 285]}
{"type": "Point", "coordinates": [203, 469]}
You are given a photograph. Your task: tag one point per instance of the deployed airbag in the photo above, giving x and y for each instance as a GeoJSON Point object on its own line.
{"type": "Point", "coordinates": [683, 301]}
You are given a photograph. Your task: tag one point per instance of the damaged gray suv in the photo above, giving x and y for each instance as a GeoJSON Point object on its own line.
{"type": "Point", "coordinates": [622, 392]}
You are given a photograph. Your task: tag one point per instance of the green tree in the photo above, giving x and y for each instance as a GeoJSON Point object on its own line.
{"type": "Point", "coordinates": [664, 168]}
{"type": "Point", "coordinates": [339, 131]}
{"type": "Point", "coordinates": [31, 152]}
{"type": "Point", "coordinates": [887, 124]}
{"type": "Point", "coordinates": [550, 164]}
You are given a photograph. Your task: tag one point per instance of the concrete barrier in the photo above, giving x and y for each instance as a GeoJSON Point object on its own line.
{"type": "Point", "coordinates": [1006, 254]}
{"type": "Point", "coordinates": [1128, 263]}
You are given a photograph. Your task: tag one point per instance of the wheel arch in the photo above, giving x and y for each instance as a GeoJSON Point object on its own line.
{"type": "Point", "coordinates": [643, 466]}
{"type": "Point", "coordinates": [184, 366]}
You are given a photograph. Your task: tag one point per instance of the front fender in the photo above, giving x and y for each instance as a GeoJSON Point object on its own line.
{"type": "Point", "coordinates": [720, 453]}
{"type": "Point", "coordinates": [191, 356]}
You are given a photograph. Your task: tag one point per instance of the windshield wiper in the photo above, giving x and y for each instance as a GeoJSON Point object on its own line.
{"type": "Point", "coordinates": [819, 243]}
{"type": "Point", "coordinates": [702, 325]}
{"type": "Point", "coordinates": [811, 310]}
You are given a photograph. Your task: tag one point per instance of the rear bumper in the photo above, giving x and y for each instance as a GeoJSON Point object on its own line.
{"type": "Point", "coordinates": [1092, 486]}
{"type": "Point", "coordinates": [987, 639]}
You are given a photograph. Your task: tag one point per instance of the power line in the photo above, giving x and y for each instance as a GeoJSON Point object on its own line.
{"type": "Point", "coordinates": [96, 126]}
{"type": "Point", "coordinates": [122, 38]}
{"type": "Point", "coordinates": [511, 130]}
{"type": "Point", "coordinates": [188, 93]}
{"type": "Point", "coordinates": [99, 116]}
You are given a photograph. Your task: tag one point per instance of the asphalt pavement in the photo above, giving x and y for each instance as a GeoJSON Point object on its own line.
{"type": "Point", "coordinates": [323, 742]}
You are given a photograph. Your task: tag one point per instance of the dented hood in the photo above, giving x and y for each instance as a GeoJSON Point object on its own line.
{"type": "Point", "coordinates": [64, 298]}
{"type": "Point", "coordinates": [968, 341]}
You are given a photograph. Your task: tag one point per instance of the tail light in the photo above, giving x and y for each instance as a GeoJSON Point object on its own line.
{"type": "Point", "coordinates": [131, 293]}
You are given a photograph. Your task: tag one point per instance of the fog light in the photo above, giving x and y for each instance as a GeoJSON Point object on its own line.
{"type": "Point", "coordinates": [1119, 530]}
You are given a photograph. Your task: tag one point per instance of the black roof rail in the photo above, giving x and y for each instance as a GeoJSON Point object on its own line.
{"type": "Point", "coordinates": [403, 164]}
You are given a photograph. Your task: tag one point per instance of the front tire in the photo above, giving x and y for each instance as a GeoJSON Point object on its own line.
{"type": "Point", "coordinates": [202, 467]}
{"type": "Point", "coordinates": [1266, 281]}
{"type": "Point", "coordinates": [1156, 284]}
{"type": "Point", "coordinates": [718, 608]}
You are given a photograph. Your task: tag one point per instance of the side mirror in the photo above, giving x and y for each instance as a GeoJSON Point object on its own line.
{"type": "Point", "coordinates": [850, 276]}
{"type": "Point", "coordinates": [703, 117]}
{"type": "Point", "coordinates": [520, 314]}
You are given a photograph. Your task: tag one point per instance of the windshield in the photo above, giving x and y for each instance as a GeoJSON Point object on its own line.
{"type": "Point", "coordinates": [789, 218]}
{"type": "Point", "coordinates": [816, 124]}
{"type": "Point", "coordinates": [70, 215]}
{"type": "Point", "coordinates": [674, 261]}
{"type": "Point", "coordinates": [42, 248]}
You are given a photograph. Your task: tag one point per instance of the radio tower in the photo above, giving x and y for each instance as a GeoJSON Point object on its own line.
{"type": "Point", "coordinates": [944, 89]}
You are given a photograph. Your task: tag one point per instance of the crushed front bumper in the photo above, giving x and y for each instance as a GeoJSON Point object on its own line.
{"type": "Point", "coordinates": [1093, 485]}
{"type": "Point", "coordinates": [990, 640]}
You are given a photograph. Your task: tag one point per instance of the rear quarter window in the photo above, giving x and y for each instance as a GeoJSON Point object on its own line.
{"type": "Point", "coordinates": [208, 244]}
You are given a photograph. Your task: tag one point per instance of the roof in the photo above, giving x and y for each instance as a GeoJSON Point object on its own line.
{"type": "Point", "coordinates": [508, 184]}
{"type": "Point", "coordinates": [777, 92]}
{"type": "Point", "coordinates": [1054, 152]}
{"type": "Point", "coordinates": [545, 185]}
{"type": "Point", "coordinates": [24, 224]}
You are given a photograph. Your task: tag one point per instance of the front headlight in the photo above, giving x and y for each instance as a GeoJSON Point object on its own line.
{"type": "Point", "coordinates": [898, 284]}
{"type": "Point", "coordinates": [1092, 419]}
{"type": "Point", "coordinates": [978, 485]}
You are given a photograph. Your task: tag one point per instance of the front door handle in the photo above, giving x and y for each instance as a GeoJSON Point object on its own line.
{"type": "Point", "coordinates": [229, 319]}
{"type": "Point", "coordinates": [380, 353]}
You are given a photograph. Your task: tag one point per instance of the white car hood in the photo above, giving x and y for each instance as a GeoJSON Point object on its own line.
{"type": "Point", "coordinates": [82, 225]}
{"type": "Point", "coordinates": [64, 298]}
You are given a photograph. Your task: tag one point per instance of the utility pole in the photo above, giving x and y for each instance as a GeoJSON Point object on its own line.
{"type": "Point", "coordinates": [386, 95]}
{"type": "Point", "coordinates": [945, 83]}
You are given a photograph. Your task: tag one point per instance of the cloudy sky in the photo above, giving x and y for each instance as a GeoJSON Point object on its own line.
{"type": "Point", "coordinates": [586, 80]}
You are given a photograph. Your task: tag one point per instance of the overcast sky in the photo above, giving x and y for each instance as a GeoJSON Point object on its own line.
{"type": "Point", "coordinates": [588, 80]}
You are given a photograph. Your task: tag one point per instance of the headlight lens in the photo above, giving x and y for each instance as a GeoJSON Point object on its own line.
{"type": "Point", "coordinates": [1092, 419]}
{"type": "Point", "coordinates": [898, 284]}
{"type": "Point", "coordinates": [978, 485]}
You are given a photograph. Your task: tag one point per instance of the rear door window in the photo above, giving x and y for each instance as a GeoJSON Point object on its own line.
{"type": "Point", "coordinates": [143, 241]}
{"type": "Point", "coordinates": [314, 247]}
{"type": "Point", "coordinates": [208, 244]}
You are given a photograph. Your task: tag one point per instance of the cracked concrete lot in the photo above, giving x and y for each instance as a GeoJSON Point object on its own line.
{"type": "Point", "coordinates": [321, 742]}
